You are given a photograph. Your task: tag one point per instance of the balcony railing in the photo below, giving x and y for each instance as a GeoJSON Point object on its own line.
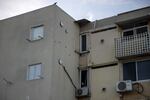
{"type": "Point", "coordinates": [132, 45]}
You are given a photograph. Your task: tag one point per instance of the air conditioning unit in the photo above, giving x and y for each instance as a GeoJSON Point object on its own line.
{"type": "Point", "coordinates": [82, 92]}
{"type": "Point", "coordinates": [124, 86]}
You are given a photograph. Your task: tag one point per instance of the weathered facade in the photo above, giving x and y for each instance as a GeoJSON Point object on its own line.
{"type": "Point", "coordinates": [18, 52]}
{"type": "Point", "coordinates": [97, 55]}
{"type": "Point", "coordinates": [112, 44]}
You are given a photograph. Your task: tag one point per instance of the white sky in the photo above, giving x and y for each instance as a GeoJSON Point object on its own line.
{"type": "Point", "coordinates": [78, 9]}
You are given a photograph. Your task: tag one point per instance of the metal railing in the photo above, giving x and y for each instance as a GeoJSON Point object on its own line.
{"type": "Point", "coordinates": [132, 45]}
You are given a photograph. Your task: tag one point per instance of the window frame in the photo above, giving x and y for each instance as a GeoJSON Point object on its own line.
{"type": "Point", "coordinates": [86, 80]}
{"type": "Point", "coordinates": [131, 29]}
{"type": "Point", "coordinates": [35, 76]}
{"type": "Point", "coordinates": [81, 42]}
{"type": "Point", "coordinates": [31, 37]}
{"type": "Point", "coordinates": [134, 30]}
{"type": "Point", "coordinates": [145, 80]}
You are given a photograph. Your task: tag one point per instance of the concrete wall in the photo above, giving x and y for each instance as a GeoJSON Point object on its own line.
{"type": "Point", "coordinates": [17, 53]}
{"type": "Point", "coordinates": [65, 43]}
{"type": "Point", "coordinates": [103, 52]}
{"type": "Point", "coordinates": [104, 78]}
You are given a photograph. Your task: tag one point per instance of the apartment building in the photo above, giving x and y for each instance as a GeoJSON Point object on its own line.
{"type": "Point", "coordinates": [47, 55]}
{"type": "Point", "coordinates": [31, 45]}
{"type": "Point", "coordinates": [116, 52]}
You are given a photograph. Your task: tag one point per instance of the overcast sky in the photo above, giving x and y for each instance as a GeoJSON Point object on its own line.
{"type": "Point", "coordinates": [78, 9]}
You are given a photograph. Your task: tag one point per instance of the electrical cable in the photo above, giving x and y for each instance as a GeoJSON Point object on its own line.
{"type": "Point", "coordinates": [64, 68]}
{"type": "Point", "coordinates": [138, 88]}
{"type": "Point", "coordinates": [69, 77]}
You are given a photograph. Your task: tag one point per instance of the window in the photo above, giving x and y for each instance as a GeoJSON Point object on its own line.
{"type": "Point", "coordinates": [128, 33]}
{"type": "Point", "coordinates": [129, 71]}
{"type": "Point", "coordinates": [137, 28]}
{"type": "Point", "coordinates": [135, 71]}
{"type": "Point", "coordinates": [83, 43]}
{"type": "Point", "coordinates": [34, 71]}
{"type": "Point", "coordinates": [84, 78]}
{"type": "Point", "coordinates": [141, 30]}
{"type": "Point", "coordinates": [37, 33]}
{"type": "Point", "coordinates": [143, 70]}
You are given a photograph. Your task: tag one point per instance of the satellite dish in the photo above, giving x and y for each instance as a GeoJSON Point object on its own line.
{"type": "Point", "coordinates": [60, 62]}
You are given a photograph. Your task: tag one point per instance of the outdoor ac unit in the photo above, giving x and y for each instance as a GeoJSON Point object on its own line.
{"type": "Point", "coordinates": [124, 86]}
{"type": "Point", "coordinates": [82, 92]}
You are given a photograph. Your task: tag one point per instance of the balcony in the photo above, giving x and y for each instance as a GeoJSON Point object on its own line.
{"type": "Point", "coordinates": [134, 45]}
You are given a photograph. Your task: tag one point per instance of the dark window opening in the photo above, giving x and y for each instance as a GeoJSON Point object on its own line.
{"type": "Point", "coordinates": [129, 71]}
{"type": "Point", "coordinates": [83, 43]}
{"type": "Point", "coordinates": [141, 30]}
{"type": "Point", "coordinates": [84, 78]}
{"type": "Point", "coordinates": [128, 33]}
{"type": "Point", "coordinates": [143, 70]}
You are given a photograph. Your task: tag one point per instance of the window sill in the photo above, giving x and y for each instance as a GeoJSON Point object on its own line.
{"type": "Point", "coordinates": [31, 40]}
{"type": "Point", "coordinates": [35, 79]}
{"type": "Point", "coordinates": [141, 81]}
{"type": "Point", "coordinates": [84, 52]}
